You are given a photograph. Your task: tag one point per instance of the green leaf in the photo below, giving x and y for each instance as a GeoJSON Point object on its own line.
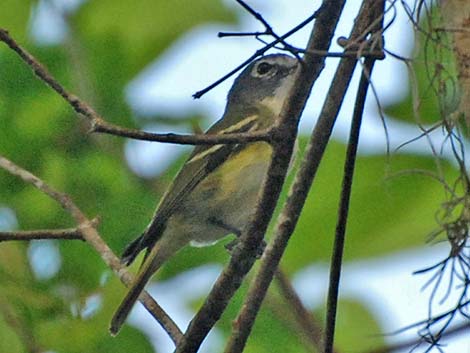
{"type": "Point", "coordinates": [14, 17]}
{"type": "Point", "coordinates": [433, 76]}
{"type": "Point", "coordinates": [77, 335]}
{"type": "Point", "coordinates": [145, 28]}
{"type": "Point", "coordinates": [9, 340]}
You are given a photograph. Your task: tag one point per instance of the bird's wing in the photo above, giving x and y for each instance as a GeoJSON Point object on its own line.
{"type": "Point", "coordinates": [202, 161]}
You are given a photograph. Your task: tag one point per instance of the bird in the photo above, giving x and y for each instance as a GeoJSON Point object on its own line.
{"type": "Point", "coordinates": [216, 191]}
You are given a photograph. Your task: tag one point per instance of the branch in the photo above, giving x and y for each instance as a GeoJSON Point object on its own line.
{"type": "Point", "coordinates": [375, 13]}
{"type": "Point", "coordinates": [99, 125]}
{"type": "Point", "coordinates": [198, 139]}
{"type": "Point", "coordinates": [374, 54]}
{"type": "Point", "coordinates": [26, 235]}
{"type": "Point", "coordinates": [87, 229]}
{"type": "Point", "coordinates": [268, 29]}
{"type": "Point", "coordinates": [302, 183]}
{"type": "Point", "coordinates": [338, 247]}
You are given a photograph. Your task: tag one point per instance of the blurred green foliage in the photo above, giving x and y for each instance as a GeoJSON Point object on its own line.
{"type": "Point", "coordinates": [41, 133]}
{"type": "Point", "coordinates": [433, 87]}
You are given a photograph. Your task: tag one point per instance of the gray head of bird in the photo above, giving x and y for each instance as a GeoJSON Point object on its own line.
{"type": "Point", "coordinates": [263, 85]}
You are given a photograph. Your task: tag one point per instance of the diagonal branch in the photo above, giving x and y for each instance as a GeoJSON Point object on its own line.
{"type": "Point", "coordinates": [298, 192]}
{"type": "Point", "coordinates": [88, 231]}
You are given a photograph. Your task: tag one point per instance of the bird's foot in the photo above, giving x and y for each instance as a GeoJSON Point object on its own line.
{"type": "Point", "coordinates": [230, 246]}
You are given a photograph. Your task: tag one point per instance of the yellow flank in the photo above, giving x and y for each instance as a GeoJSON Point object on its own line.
{"type": "Point", "coordinates": [245, 167]}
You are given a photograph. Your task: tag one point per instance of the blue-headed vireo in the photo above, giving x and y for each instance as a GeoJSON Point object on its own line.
{"type": "Point", "coordinates": [216, 190]}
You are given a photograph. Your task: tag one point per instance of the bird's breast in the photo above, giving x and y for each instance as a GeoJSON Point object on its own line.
{"type": "Point", "coordinates": [228, 195]}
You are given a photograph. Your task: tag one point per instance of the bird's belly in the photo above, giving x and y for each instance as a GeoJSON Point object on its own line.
{"type": "Point", "coordinates": [227, 198]}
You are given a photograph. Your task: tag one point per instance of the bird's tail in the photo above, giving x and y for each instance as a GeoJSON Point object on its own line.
{"type": "Point", "coordinates": [153, 261]}
{"type": "Point", "coordinates": [132, 250]}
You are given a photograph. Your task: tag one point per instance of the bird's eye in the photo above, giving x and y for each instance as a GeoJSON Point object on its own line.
{"type": "Point", "coordinates": [263, 68]}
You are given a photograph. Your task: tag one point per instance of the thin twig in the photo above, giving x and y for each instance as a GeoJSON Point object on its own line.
{"type": "Point", "coordinates": [241, 34]}
{"type": "Point", "coordinates": [432, 320]}
{"type": "Point", "coordinates": [298, 192]}
{"type": "Point", "coordinates": [268, 29]}
{"type": "Point", "coordinates": [99, 125]}
{"type": "Point", "coordinates": [25, 235]}
{"type": "Point", "coordinates": [374, 54]}
{"type": "Point", "coordinates": [87, 228]}
{"type": "Point", "coordinates": [258, 53]}
{"type": "Point", "coordinates": [329, 54]}
{"type": "Point", "coordinates": [415, 342]}
{"type": "Point", "coordinates": [338, 247]}
{"type": "Point", "coordinates": [376, 10]}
